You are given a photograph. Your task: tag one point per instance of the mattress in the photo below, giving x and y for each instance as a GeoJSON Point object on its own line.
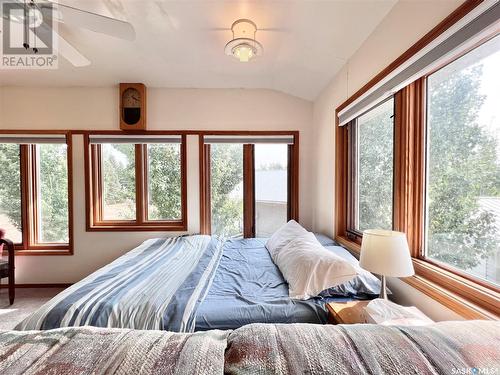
{"type": "Point", "coordinates": [249, 288]}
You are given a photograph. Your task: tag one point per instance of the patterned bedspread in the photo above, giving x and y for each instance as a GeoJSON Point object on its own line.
{"type": "Point", "coordinates": [90, 350]}
{"type": "Point", "coordinates": [442, 348]}
{"type": "Point", "coordinates": [158, 285]}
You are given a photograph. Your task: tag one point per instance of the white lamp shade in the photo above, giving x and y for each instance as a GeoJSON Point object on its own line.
{"type": "Point", "coordinates": [386, 252]}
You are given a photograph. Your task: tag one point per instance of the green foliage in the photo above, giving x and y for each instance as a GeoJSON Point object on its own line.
{"type": "Point", "coordinates": [375, 175]}
{"type": "Point", "coordinates": [463, 165]}
{"type": "Point", "coordinates": [53, 188]}
{"type": "Point", "coordinates": [118, 169]}
{"type": "Point", "coordinates": [226, 174]}
{"type": "Point", "coordinates": [164, 182]}
{"type": "Point", "coordinates": [53, 193]}
{"type": "Point", "coordinates": [10, 183]}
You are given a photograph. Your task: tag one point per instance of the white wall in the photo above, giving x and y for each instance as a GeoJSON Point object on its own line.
{"type": "Point", "coordinates": [176, 109]}
{"type": "Point", "coordinates": [407, 22]}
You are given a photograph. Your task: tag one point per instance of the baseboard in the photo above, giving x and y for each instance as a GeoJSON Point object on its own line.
{"type": "Point", "coordinates": [4, 286]}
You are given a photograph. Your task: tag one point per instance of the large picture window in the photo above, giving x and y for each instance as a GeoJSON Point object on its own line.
{"type": "Point", "coordinates": [34, 192]}
{"type": "Point", "coordinates": [444, 188]}
{"type": "Point", "coordinates": [249, 185]}
{"type": "Point", "coordinates": [463, 164]}
{"type": "Point", "coordinates": [136, 182]}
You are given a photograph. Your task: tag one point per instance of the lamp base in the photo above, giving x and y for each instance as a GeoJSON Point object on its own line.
{"type": "Point", "coordinates": [383, 288]}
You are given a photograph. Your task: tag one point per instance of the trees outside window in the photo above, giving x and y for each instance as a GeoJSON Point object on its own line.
{"type": "Point", "coordinates": [137, 183]}
{"type": "Point", "coordinates": [374, 167]}
{"type": "Point", "coordinates": [34, 195]}
{"type": "Point", "coordinates": [10, 191]}
{"type": "Point", "coordinates": [226, 189]}
{"type": "Point", "coordinates": [463, 184]}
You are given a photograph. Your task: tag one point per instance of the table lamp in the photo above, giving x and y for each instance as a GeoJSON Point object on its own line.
{"type": "Point", "coordinates": [385, 253]}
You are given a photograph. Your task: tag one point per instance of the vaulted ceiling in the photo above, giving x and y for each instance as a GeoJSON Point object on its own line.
{"type": "Point", "coordinates": [180, 43]}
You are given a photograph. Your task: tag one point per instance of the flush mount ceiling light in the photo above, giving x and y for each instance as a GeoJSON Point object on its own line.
{"type": "Point", "coordinates": [243, 46]}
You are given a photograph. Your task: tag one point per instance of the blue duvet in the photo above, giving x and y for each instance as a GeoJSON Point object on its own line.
{"type": "Point", "coordinates": [249, 288]}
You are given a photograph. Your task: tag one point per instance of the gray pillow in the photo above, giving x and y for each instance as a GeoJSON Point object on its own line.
{"type": "Point", "coordinates": [364, 285]}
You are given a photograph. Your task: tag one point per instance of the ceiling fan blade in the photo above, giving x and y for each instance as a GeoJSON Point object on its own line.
{"type": "Point", "coordinates": [95, 22]}
{"type": "Point", "coordinates": [70, 53]}
{"type": "Point", "coordinates": [66, 50]}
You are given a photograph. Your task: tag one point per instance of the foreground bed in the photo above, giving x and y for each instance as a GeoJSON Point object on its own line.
{"type": "Point", "coordinates": [181, 284]}
{"type": "Point", "coordinates": [441, 348]}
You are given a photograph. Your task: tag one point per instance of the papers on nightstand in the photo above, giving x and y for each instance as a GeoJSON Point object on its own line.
{"type": "Point", "coordinates": [380, 311]}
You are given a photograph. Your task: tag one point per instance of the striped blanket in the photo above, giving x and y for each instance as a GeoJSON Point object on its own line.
{"type": "Point", "coordinates": [158, 285]}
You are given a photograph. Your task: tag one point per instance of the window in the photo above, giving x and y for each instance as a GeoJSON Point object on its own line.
{"type": "Point", "coordinates": [34, 192]}
{"type": "Point", "coordinates": [249, 184]}
{"type": "Point", "coordinates": [371, 169]}
{"type": "Point", "coordinates": [463, 164]}
{"type": "Point", "coordinates": [226, 189]}
{"type": "Point", "coordinates": [118, 181]}
{"type": "Point", "coordinates": [444, 187]}
{"type": "Point", "coordinates": [271, 188]}
{"type": "Point", "coordinates": [136, 182]}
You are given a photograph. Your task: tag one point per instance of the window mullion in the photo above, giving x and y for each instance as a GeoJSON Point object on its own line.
{"type": "Point", "coordinates": [25, 217]}
{"type": "Point", "coordinates": [140, 183]}
{"type": "Point", "coordinates": [248, 191]}
{"type": "Point", "coordinates": [205, 188]}
{"type": "Point", "coordinates": [408, 164]}
{"type": "Point", "coordinates": [32, 196]}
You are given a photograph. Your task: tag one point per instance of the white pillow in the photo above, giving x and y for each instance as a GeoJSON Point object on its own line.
{"type": "Point", "coordinates": [309, 268]}
{"type": "Point", "coordinates": [284, 235]}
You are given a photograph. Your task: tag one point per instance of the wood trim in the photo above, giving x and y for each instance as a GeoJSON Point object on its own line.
{"type": "Point", "coordinates": [160, 132]}
{"type": "Point", "coordinates": [204, 165]}
{"type": "Point", "coordinates": [24, 286]}
{"type": "Point", "coordinates": [439, 29]}
{"type": "Point", "coordinates": [248, 192]}
{"type": "Point", "coordinates": [29, 201]}
{"type": "Point", "coordinates": [94, 201]}
{"type": "Point", "coordinates": [184, 189]}
{"type": "Point", "coordinates": [69, 143]}
{"type": "Point", "coordinates": [461, 293]}
{"type": "Point", "coordinates": [409, 164]}
{"type": "Point", "coordinates": [205, 194]}
{"type": "Point", "coordinates": [446, 288]}
{"type": "Point", "coordinates": [294, 179]}
{"type": "Point", "coordinates": [140, 185]}
{"type": "Point", "coordinates": [341, 173]}
{"type": "Point", "coordinates": [25, 205]}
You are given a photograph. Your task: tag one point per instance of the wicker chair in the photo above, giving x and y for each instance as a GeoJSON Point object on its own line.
{"type": "Point", "coordinates": [7, 265]}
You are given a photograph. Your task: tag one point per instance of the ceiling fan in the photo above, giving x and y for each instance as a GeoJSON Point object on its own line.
{"type": "Point", "coordinates": [32, 19]}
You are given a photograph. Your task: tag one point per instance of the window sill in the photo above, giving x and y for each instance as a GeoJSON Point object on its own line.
{"type": "Point", "coordinates": [463, 296]}
{"type": "Point", "coordinates": [44, 252]}
{"type": "Point", "coordinates": [115, 227]}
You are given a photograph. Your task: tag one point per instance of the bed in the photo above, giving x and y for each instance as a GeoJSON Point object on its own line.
{"type": "Point", "coordinates": [182, 284]}
{"type": "Point", "coordinates": [471, 347]}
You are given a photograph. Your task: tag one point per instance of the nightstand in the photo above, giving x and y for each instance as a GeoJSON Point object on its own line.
{"type": "Point", "coordinates": [351, 312]}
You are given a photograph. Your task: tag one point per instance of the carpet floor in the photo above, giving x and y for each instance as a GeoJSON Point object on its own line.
{"type": "Point", "coordinates": [26, 302]}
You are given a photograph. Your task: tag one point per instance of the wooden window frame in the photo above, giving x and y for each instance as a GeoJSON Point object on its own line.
{"type": "Point", "coordinates": [248, 181]}
{"type": "Point", "coordinates": [30, 244]}
{"type": "Point", "coordinates": [94, 185]}
{"type": "Point", "coordinates": [462, 293]}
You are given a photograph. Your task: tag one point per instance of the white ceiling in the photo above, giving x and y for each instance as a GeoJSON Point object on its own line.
{"type": "Point", "coordinates": [181, 44]}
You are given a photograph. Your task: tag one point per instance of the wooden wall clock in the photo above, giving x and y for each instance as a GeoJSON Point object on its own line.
{"type": "Point", "coordinates": [132, 106]}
